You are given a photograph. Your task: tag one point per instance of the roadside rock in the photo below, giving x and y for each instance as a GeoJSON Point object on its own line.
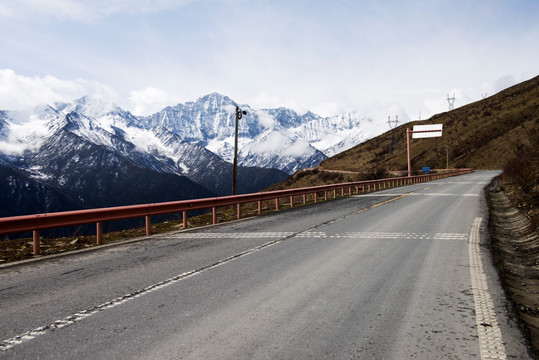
{"type": "Point", "coordinates": [516, 251]}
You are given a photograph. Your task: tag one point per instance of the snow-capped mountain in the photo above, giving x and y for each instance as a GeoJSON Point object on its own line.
{"type": "Point", "coordinates": [270, 138]}
{"type": "Point", "coordinates": [90, 153]}
{"type": "Point", "coordinates": [85, 155]}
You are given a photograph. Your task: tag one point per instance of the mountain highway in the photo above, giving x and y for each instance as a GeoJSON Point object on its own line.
{"type": "Point", "coordinates": [404, 273]}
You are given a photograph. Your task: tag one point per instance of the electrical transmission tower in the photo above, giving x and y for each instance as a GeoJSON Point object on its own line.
{"type": "Point", "coordinates": [451, 101]}
{"type": "Point", "coordinates": [392, 125]}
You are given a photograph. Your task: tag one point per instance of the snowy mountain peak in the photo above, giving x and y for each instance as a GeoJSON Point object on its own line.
{"type": "Point", "coordinates": [215, 101]}
{"type": "Point", "coordinates": [268, 138]}
{"type": "Point", "coordinates": [92, 106]}
{"type": "Point", "coordinates": [271, 138]}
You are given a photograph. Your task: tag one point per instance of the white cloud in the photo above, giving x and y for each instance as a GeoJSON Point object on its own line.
{"type": "Point", "coordinates": [298, 147]}
{"type": "Point", "coordinates": [466, 95]}
{"type": "Point", "coordinates": [266, 120]}
{"type": "Point", "coordinates": [148, 101]}
{"type": "Point", "coordinates": [328, 109]}
{"type": "Point", "coordinates": [287, 146]}
{"type": "Point", "coordinates": [81, 10]}
{"type": "Point", "coordinates": [19, 91]}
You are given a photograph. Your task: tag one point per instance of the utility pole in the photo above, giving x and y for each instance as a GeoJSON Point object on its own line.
{"type": "Point", "coordinates": [238, 116]}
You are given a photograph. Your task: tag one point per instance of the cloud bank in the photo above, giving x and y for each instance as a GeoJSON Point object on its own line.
{"type": "Point", "coordinates": [21, 92]}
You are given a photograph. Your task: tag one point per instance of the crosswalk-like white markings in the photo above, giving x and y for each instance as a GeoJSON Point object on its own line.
{"type": "Point", "coordinates": [388, 235]}
{"type": "Point", "coordinates": [444, 194]}
{"type": "Point", "coordinates": [321, 234]}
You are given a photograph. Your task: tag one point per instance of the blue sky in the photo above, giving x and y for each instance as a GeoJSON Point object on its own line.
{"type": "Point", "coordinates": [378, 57]}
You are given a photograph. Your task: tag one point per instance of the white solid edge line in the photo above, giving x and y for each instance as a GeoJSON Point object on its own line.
{"type": "Point", "coordinates": [488, 331]}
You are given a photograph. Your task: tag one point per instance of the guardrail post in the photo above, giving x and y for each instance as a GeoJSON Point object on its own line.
{"type": "Point", "coordinates": [99, 233]}
{"type": "Point", "coordinates": [238, 211]}
{"type": "Point", "coordinates": [342, 192]}
{"type": "Point", "coordinates": [277, 204]}
{"type": "Point", "coordinates": [291, 201]}
{"type": "Point", "coordinates": [148, 225]}
{"type": "Point", "coordinates": [35, 238]}
{"type": "Point", "coordinates": [214, 215]}
{"type": "Point", "coordinates": [325, 194]}
{"type": "Point", "coordinates": [315, 197]}
{"type": "Point", "coordinates": [304, 199]}
{"type": "Point", "coordinates": [259, 207]}
{"type": "Point", "coordinates": [184, 216]}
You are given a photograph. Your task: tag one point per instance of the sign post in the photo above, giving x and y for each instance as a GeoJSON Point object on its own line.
{"type": "Point", "coordinates": [418, 132]}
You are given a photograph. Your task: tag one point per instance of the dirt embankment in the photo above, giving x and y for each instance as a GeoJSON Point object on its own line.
{"type": "Point", "coordinates": [516, 251]}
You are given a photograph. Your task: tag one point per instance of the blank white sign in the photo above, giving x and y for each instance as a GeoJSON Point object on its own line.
{"type": "Point", "coordinates": [417, 134]}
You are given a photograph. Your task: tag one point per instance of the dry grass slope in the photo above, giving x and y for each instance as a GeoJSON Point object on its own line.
{"type": "Point", "coordinates": [481, 135]}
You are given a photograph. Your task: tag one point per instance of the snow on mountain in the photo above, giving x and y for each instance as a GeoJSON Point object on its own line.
{"type": "Point", "coordinates": [74, 151]}
{"type": "Point", "coordinates": [272, 138]}
{"type": "Point", "coordinates": [95, 154]}
{"type": "Point", "coordinates": [335, 134]}
{"type": "Point", "coordinates": [27, 130]}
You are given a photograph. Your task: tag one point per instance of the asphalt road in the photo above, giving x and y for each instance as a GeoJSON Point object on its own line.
{"type": "Point", "coordinates": [394, 274]}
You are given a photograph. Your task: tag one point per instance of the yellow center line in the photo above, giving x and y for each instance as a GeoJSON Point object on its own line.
{"type": "Point", "coordinates": [385, 202]}
{"type": "Point", "coordinates": [427, 188]}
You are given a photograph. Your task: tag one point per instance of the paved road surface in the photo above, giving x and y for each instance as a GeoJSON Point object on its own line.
{"type": "Point", "coordinates": [397, 274]}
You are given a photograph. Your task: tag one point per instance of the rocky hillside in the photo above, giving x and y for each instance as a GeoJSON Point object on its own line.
{"type": "Point", "coordinates": [514, 229]}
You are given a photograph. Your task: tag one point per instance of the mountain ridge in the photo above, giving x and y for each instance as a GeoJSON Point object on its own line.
{"type": "Point", "coordinates": [73, 150]}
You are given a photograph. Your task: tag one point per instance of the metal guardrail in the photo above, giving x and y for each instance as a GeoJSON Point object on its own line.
{"type": "Point", "coordinates": [37, 222]}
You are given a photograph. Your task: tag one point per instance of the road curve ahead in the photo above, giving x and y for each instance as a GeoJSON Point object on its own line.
{"type": "Point", "coordinates": [403, 273]}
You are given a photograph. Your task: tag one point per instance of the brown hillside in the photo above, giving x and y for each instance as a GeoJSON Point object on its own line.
{"type": "Point", "coordinates": [481, 135]}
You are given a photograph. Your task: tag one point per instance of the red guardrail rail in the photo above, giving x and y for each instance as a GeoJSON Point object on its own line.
{"type": "Point", "coordinates": [37, 222]}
